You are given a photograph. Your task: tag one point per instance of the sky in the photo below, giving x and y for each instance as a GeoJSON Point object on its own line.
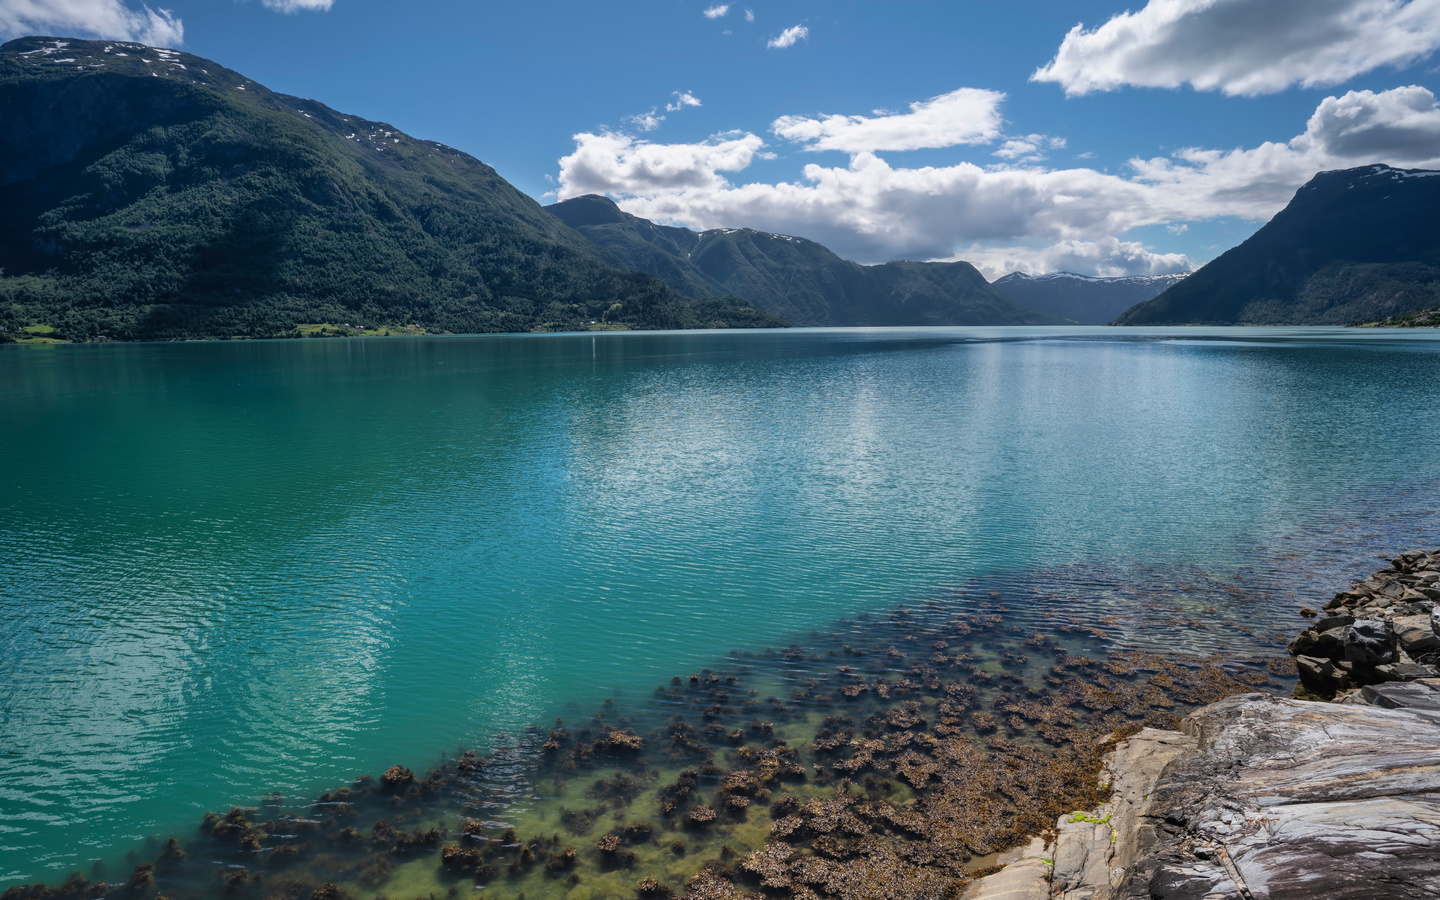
{"type": "Point", "coordinates": [1084, 135]}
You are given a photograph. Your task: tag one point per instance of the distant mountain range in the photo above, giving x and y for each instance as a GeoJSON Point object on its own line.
{"type": "Point", "coordinates": [1083, 298]}
{"type": "Point", "coordinates": [148, 193]}
{"type": "Point", "coordinates": [793, 278]}
{"type": "Point", "coordinates": [1356, 245]}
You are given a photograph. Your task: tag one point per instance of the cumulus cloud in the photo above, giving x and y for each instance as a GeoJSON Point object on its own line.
{"type": "Point", "coordinates": [871, 210]}
{"type": "Point", "coordinates": [1028, 149]}
{"type": "Point", "coordinates": [1401, 124]}
{"type": "Point", "coordinates": [716, 11]}
{"type": "Point", "coordinates": [621, 165]}
{"type": "Point", "coordinates": [109, 19]}
{"type": "Point", "coordinates": [966, 116]}
{"type": "Point", "coordinates": [1108, 257]}
{"type": "Point", "coordinates": [749, 14]}
{"type": "Point", "coordinates": [293, 6]}
{"type": "Point", "coordinates": [789, 37]}
{"type": "Point", "coordinates": [1244, 47]}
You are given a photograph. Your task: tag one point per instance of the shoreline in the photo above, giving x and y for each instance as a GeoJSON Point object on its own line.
{"type": "Point", "coordinates": [794, 749]}
{"type": "Point", "coordinates": [911, 759]}
{"type": "Point", "coordinates": [1260, 798]}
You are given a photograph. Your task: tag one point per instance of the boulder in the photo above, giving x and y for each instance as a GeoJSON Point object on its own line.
{"type": "Point", "coordinates": [1370, 642]}
{"type": "Point", "coordinates": [1325, 623]}
{"type": "Point", "coordinates": [1405, 671]}
{"type": "Point", "coordinates": [1326, 644]}
{"type": "Point", "coordinates": [1416, 633]}
{"type": "Point", "coordinates": [1322, 676]}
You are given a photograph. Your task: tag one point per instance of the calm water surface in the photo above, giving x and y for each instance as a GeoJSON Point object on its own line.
{"type": "Point", "coordinates": [227, 569]}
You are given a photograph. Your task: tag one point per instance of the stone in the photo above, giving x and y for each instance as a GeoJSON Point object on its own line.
{"type": "Point", "coordinates": [1321, 675]}
{"type": "Point", "coordinates": [1418, 697]}
{"type": "Point", "coordinates": [1416, 633]}
{"type": "Point", "coordinates": [1370, 642]}
{"type": "Point", "coordinates": [1403, 671]}
{"type": "Point", "coordinates": [1325, 623]}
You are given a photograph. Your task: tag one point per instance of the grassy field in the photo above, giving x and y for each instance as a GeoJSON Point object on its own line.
{"type": "Point", "coordinates": [38, 334]}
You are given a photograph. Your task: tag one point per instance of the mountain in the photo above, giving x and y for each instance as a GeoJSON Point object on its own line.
{"type": "Point", "coordinates": [1082, 298]}
{"type": "Point", "coordinates": [799, 280]}
{"type": "Point", "coordinates": [1352, 246]}
{"type": "Point", "coordinates": [148, 193]}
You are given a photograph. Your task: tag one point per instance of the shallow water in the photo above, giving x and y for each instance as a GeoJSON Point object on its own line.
{"type": "Point", "coordinates": [231, 569]}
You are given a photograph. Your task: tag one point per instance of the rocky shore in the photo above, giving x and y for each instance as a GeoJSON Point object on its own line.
{"type": "Point", "coordinates": [1263, 798]}
{"type": "Point", "coordinates": [1384, 629]}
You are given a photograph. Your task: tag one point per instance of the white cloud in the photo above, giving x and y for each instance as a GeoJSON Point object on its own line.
{"type": "Point", "coordinates": [682, 100]}
{"type": "Point", "coordinates": [871, 211]}
{"type": "Point", "coordinates": [646, 121]}
{"type": "Point", "coordinates": [717, 11]}
{"type": "Point", "coordinates": [293, 6]}
{"type": "Point", "coordinates": [611, 163]}
{"type": "Point", "coordinates": [789, 37]}
{"type": "Point", "coordinates": [749, 14]}
{"type": "Point", "coordinates": [1399, 127]}
{"type": "Point", "coordinates": [110, 19]}
{"type": "Point", "coordinates": [1244, 47]}
{"type": "Point", "coordinates": [1401, 124]}
{"type": "Point", "coordinates": [1108, 257]}
{"type": "Point", "coordinates": [1180, 228]}
{"type": "Point", "coordinates": [966, 116]}
{"type": "Point", "coordinates": [649, 121]}
{"type": "Point", "coordinates": [1028, 149]}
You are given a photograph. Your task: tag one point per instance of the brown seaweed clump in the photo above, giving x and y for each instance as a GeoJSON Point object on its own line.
{"type": "Point", "coordinates": [620, 742]}
{"type": "Point", "coordinates": [397, 778]}
{"type": "Point", "coordinates": [461, 859]}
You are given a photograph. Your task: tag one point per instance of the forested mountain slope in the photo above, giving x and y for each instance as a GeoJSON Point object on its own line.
{"type": "Point", "coordinates": [149, 193]}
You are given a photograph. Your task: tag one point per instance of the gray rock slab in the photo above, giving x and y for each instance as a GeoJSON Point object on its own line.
{"type": "Point", "coordinates": [1299, 800]}
{"type": "Point", "coordinates": [1026, 876]}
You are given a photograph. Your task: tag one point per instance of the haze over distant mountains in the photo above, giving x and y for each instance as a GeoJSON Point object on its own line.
{"type": "Point", "coordinates": [1083, 298]}
{"type": "Point", "coordinates": [797, 279]}
{"type": "Point", "coordinates": [148, 193]}
{"type": "Point", "coordinates": [1354, 245]}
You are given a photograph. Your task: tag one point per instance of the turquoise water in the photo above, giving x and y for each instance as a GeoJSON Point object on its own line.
{"type": "Point", "coordinates": [230, 569]}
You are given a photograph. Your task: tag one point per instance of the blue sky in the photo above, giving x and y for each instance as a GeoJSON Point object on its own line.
{"type": "Point", "coordinates": [1253, 95]}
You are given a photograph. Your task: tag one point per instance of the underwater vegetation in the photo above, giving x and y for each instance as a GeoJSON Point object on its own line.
{"type": "Point", "coordinates": [893, 767]}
